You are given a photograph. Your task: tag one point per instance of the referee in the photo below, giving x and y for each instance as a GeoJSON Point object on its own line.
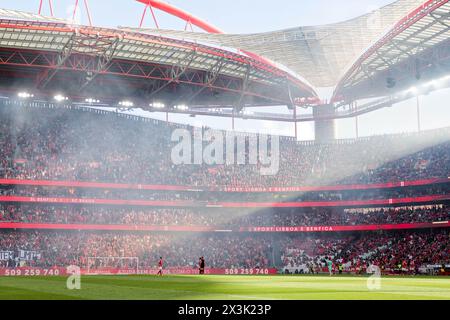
{"type": "Point", "coordinates": [201, 266]}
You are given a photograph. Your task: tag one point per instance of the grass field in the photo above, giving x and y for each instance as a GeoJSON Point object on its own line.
{"type": "Point", "coordinates": [224, 288]}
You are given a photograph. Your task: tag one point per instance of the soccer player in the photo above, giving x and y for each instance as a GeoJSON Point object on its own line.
{"type": "Point", "coordinates": [330, 265]}
{"type": "Point", "coordinates": [311, 268]}
{"type": "Point", "coordinates": [160, 266]}
{"type": "Point", "coordinates": [341, 268]}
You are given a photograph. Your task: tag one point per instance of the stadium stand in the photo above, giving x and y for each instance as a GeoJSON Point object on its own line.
{"type": "Point", "coordinates": [73, 146]}
{"type": "Point", "coordinates": [59, 145]}
{"type": "Point", "coordinates": [222, 218]}
{"type": "Point", "coordinates": [232, 251]}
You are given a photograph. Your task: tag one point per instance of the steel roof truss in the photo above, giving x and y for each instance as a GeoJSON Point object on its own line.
{"type": "Point", "coordinates": [176, 72]}
{"type": "Point", "coordinates": [47, 75]}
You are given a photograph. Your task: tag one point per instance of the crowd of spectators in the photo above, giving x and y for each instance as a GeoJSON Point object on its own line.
{"type": "Point", "coordinates": [98, 193]}
{"type": "Point", "coordinates": [207, 197]}
{"type": "Point", "coordinates": [229, 218]}
{"type": "Point", "coordinates": [345, 217]}
{"type": "Point", "coordinates": [63, 249]}
{"type": "Point", "coordinates": [104, 215]}
{"type": "Point", "coordinates": [385, 250]}
{"type": "Point", "coordinates": [62, 144]}
{"type": "Point", "coordinates": [74, 145]}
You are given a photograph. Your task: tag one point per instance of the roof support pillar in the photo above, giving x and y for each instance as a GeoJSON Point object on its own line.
{"type": "Point", "coordinates": [324, 128]}
{"type": "Point", "coordinates": [232, 121]}
{"type": "Point", "coordinates": [294, 107]}
{"type": "Point", "coordinates": [355, 106]}
{"type": "Point", "coordinates": [357, 127]}
{"type": "Point", "coordinates": [295, 123]}
{"type": "Point", "coordinates": [419, 129]}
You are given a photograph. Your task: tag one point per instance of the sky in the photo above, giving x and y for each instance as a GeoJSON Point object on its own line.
{"type": "Point", "coordinates": [251, 16]}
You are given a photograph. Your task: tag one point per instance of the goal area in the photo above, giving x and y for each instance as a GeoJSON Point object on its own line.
{"type": "Point", "coordinates": [97, 265]}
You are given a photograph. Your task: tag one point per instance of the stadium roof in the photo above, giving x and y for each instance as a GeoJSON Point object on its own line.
{"type": "Point", "coordinates": [26, 16]}
{"type": "Point", "coordinates": [204, 74]}
{"type": "Point", "coordinates": [321, 54]}
{"type": "Point", "coordinates": [365, 57]}
{"type": "Point", "coordinates": [416, 48]}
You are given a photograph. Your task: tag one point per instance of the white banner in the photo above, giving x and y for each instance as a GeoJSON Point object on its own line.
{"type": "Point", "coordinates": [25, 255]}
{"type": "Point", "coordinates": [6, 255]}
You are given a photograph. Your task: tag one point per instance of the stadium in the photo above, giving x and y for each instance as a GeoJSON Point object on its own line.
{"type": "Point", "coordinates": [100, 199]}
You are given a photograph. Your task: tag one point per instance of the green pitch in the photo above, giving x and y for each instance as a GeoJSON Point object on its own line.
{"type": "Point", "coordinates": [224, 287]}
